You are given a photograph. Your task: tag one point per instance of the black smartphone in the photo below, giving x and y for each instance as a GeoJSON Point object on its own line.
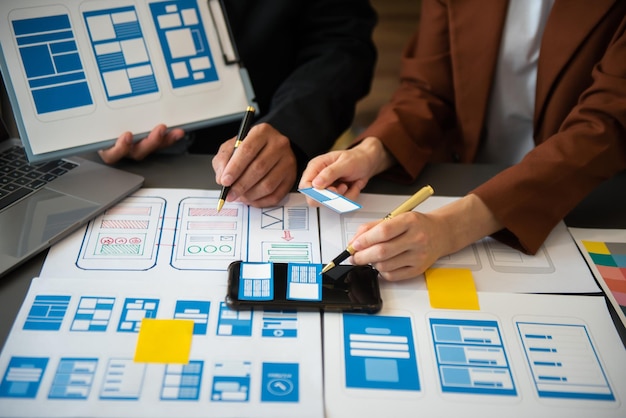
{"type": "Point", "coordinates": [295, 285]}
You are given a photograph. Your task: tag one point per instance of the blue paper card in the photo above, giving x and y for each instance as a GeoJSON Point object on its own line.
{"type": "Point", "coordinates": [331, 200]}
{"type": "Point", "coordinates": [304, 281]}
{"type": "Point", "coordinates": [256, 281]}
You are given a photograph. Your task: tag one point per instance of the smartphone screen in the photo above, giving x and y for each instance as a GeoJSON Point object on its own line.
{"type": "Point", "coordinates": [295, 285]}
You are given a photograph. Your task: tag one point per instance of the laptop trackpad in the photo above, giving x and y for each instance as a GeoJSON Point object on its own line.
{"type": "Point", "coordinates": [31, 223]}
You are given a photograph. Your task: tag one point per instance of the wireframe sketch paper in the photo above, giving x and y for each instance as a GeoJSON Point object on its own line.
{"type": "Point", "coordinates": [556, 268]}
{"type": "Point", "coordinates": [160, 232]}
{"type": "Point", "coordinates": [162, 254]}
{"type": "Point", "coordinates": [105, 67]}
{"type": "Point", "coordinates": [97, 348]}
{"type": "Point", "coordinates": [520, 355]}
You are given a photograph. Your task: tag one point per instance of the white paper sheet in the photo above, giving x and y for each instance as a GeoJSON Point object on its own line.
{"type": "Point", "coordinates": [160, 232]}
{"type": "Point", "coordinates": [172, 246]}
{"type": "Point", "coordinates": [71, 350]}
{"type": "Point", "coordinates": [557, 267]}
{"type": "Point", "coordinates": [518, 356]}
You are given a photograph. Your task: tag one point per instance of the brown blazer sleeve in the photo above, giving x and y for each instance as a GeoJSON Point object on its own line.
{"type": "Point", "coordinates": [438, 111]}
{"type": "Point", "coordinates": [588, 147]}
{"type": "Point", "coordinates": [412, 124]}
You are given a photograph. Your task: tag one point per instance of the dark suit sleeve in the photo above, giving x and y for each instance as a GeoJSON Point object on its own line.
{"type": "Point", "coordinates": [333, 69]}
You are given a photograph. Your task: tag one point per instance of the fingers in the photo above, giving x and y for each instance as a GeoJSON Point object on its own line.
{"type": "Point", "coordinates": [349, 170]}
{"type": "Point", "coordinates": [263, 196]}
{"type": "Point", "coordinates": [221, 159]}
{"type": "Point", "coordinates": [229, 165]}
{"type": "Point", "coordinates": [124, 147]}
{"type": "Point", "coordinates": [399, 248]}
{"type": "Point", "coordinates": [261, 171]}
{"type": "Point", "coordinates": [119, 150]}
{"type": "Point", "coordinates": [268, 179]}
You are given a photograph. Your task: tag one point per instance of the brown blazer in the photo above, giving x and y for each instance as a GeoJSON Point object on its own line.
{"type": "Point", "coordinates": [438, 111]}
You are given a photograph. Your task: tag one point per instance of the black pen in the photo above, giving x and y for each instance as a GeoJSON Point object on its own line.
{"type": "Point", "coordinates": [410, 204]}
{"type": "Point", "coordinates": [243, 131]}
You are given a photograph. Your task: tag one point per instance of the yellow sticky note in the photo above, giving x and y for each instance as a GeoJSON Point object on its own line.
{"type": "Point", "coordinates": [451, 288]}
{"type": "Point", "coordinates": [596, 247]}
{"type": "Point", "coordinates": [164, 341]}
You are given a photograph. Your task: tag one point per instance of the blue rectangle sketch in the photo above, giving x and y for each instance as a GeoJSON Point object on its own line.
{"type": "Point", "coordinates": [22, 377]}
{"type": "Point", "coordinates": [121, 54]}
{"type": "Point", "coordinates": [231, 381]}
{"type": "Point", "coordinates": [52, 64]}
{"type": "Point", "coordinates": [471, 357]}
{"type": "Point", "coordinates": [379, 353]}
{"type": "Point", "coordinates": [280, 382]}
{"type": "Point", "coordinates": [123, 379]}
{"type": "Point", "coordinates": [73, 378]}
{"type": "Point", "coordinates": [195, 310]}
{"type": "Point", "coordinates": [47, 313]}
{"type": "Point", "coordinates": [93, 314]}
{"type": "Point", "coordinates": [134, 311]}
{"type": "Point", "coordinates": [256, 281]}
{"type": "Point", "coordinates": [563, 362]}
{"type": "Point", "coordinates": [237, 323]}
{"type": "Point", "coordinates": [182, 382]}
{"type": "Point", "coordinates": [183, 39]}
{"type": "Point", "coordinates": [304, 281]}
{"type": "Point", "coordinates": [280, 323]}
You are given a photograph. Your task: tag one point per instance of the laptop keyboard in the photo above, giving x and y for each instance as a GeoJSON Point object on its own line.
{"type": "Point", "coordinates": [18, 177]}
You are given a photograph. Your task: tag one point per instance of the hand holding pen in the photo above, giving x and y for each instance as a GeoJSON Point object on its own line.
{"type": "Point", "coordinates": [243, 131]}
{"type": "Point", "coordinates": [412, 202]}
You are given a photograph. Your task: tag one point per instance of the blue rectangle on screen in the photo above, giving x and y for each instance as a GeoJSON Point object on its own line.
{"type": "Point", "coordinates": [61, 47]}
{"type": "Point", "coordinates": [67, 62]}
{"type": "Point", "coordinates": [54, 80]}
{"type": "Point", "coordinates": [73, 95]}
{"type": "Point", "coordinates": [41, 24]}
{"type": "Point", "coordinates": [37, 61]}
{"type": "Point", "coordinates": [45, 38]}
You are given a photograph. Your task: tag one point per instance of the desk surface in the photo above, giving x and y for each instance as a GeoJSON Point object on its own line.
{"type": "Point", "coordinates": [195, 172]}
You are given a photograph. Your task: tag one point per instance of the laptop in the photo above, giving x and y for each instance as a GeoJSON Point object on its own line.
{"type": "Point", "coordinates": [44, 202]}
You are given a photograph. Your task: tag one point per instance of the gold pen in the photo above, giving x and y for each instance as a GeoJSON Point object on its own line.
{"type": "Point", "coordinates": [410, 204]}
{"type": "Point", "coordinates": [243, 131]}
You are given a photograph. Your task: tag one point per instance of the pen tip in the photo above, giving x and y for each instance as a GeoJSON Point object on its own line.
{"type": "Point", "coordinates": [220, 204]}
{"type": "Point", "coordinates": [327, 267]}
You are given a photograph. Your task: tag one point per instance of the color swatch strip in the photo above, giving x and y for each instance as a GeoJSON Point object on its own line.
{"type": "Point", "coordinates": [610, 260]}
